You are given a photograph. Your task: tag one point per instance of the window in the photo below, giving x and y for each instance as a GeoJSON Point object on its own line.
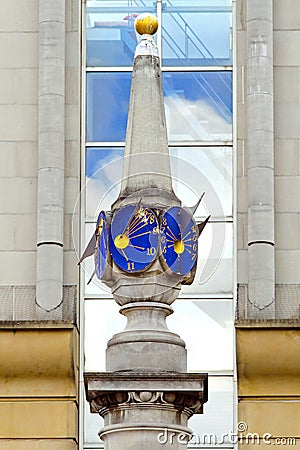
{"type": "Point", "coordinates": [196, 58]}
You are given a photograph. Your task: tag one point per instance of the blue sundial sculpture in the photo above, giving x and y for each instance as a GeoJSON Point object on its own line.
{"type": "Point", "coordinates": [137, 236]}
{"type": "Point", "coordinates": [145, 248]}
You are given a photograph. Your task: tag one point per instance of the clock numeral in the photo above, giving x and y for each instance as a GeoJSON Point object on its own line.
{"type": "Point", "coordinates": [194, 238]}
{"type": "Point", "coordinates": [162, 229]}
{"type": "Point", "coordinates": [130, 265]}
{"type": "Point", "coordinates": [193, 228]}
{"type": "Point", "coordinates": [163, 239]}
{"type": "Point", "coordinates": [194, 256]}
{"type": "Point", "coordinates": [151, 251]}
{"type": "Point", "coordinates": [165, 250]}
{"type": "Point", "coordinates": [155, 230]}
{"type": "Point", "coordinates": [195, 247]}
{"type": "Point", "coordinates": [151, 219]}
{"type": "Point", "coordinates": [164, 222]}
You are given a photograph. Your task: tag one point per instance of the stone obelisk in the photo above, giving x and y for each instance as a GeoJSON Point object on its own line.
{"type": "Point", "coordinates": [146, 397]}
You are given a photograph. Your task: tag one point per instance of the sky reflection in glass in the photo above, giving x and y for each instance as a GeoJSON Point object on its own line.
{"type": "Point", "coordinates": [196, 33]}
{"type": "Point", "coordinates": [198, 106]}
{"type": "Point", "coordinates": [193, 33]}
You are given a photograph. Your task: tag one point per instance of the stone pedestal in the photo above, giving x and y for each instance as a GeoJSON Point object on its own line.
{"type": "Point", "coordinates": [146, 343]}
{"type": "Point", "coordinates": [146, 410]}
{"type": "Point", "coordinates": [146, 398]}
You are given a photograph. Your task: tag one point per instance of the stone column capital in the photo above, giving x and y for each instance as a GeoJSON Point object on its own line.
{"type": "Point", "coordinates": [184, 392]}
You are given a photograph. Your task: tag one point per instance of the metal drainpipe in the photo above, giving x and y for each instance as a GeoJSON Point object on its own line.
{"type": "Point", "coordinates": [51, 142]}
{"type": "Point", "coordinates": [260, 126]}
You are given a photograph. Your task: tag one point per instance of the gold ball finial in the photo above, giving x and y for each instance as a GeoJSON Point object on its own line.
{"type": "Point", "coordinates": [146, 23]}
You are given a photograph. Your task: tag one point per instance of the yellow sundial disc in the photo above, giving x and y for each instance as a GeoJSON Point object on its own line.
{"type": "Point", "coordinates": [121, 241]}
{"type": "Point", "coordinates": [146, 23]}
{"type": "Point", "coordinates": [179, 247]}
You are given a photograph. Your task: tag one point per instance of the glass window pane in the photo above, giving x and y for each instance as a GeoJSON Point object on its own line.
{"type": "Point", "coordinates": [107, 106]}
{"type": "Point", "coordinates": [110, 34]}
{"type": "Point", "coordinates": [206, 326]}
{"type": "Point", "coordinates": [102, 321]}
{"type": "Point", "coordinates": [215, 425]}
{"type": "Point", "coordinates": [194, 169]}
{"type": "Point", "coordinates": [198, 105]}
{"type": "Point", "coordinates": [92, 425]}
{"type": "Point", "coordinates": [203, 169]}
{"type": "Point", "coordinates": [103, 175]}
{"type": "Point", "coordinates": [215, 263]}
{"type": "Point", "coordinates": [196, 33]}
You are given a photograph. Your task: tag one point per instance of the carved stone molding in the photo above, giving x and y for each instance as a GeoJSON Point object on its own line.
{"type": "Point", "coordinates": [191, 402]}
{"type": "Point", "coordinates": [117, 392]}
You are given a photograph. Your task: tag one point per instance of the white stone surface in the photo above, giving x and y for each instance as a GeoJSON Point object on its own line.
{"type": "Point", "coordinates": [261, 282]}
{"type": "Point", "coordinates": [286, 15]}
{"type": "Point", "coordinates": [71, 194]}
{"type": "Point", "coordinates": [26, 159]}
{"type": "Point", "coordinates": [49, 282]}
{"type": "Point", "coordinates": [17, 267]}
{"type": "Point", "coordinates": [286, 47]}
{"type": "Point", "coordinates": [18, 122]}
{"type": "Point", "coordinates": [242, 158]}
{"type": "Point", "coordinates": [241, 84]}
{"type": "Point", "coordinates": [7, 227]}
{"type": "Point", "coordinates": [8, 86]}
{"type": "Point", "coordinates": [287, 232]}
{"type": "Point", "coordinates": [19, 131]}
{"type": "Point", "coordinates": [241, 48]}
{"type": "Point", "coordinates": [72, 160]}
{"type": "Point", "coordinates": [287, 266]}
{"type": "Point", "coordinates": [27, 86]}
{"type": "Point", "coordinates": [242, 266]}
{"type": "Point", "coordinates": [71, 270]}
{"type": "Point", "coordinates": [7, 159]}
{"type": "Point", "coordinates": [17, 195]}
{"type": "Point", "coordinates": [25, 232]}
{"type": "Point", "coordinates": [72, 85]}
{"type": "Point", "coordinates": [242, 231]}
{"type": "Point", "coordinates": [68, 232]}
{"type": "Point", "coordinates": [287, 157]}
{"type": "Point", "coordinates": [19, 50]}
{"type": "Point", "coordinates": [242, 120]}
{"type": "Point", "coordinates": [72, 130]}
{"type": "Point", "coordinates": [286, 84]}
{"type": "Point", "coordinates": [26, 13]}
{"type": "Point", "coordinates": [72, 53]}
{"type": "Point", "coordinates": [287, 120]}
{"type": "Point", "coordinates": [242, 204]}
{"type": "Point", "coordinates": [287, 198]}
{"type": "Point", "coordinates": [72, 16]}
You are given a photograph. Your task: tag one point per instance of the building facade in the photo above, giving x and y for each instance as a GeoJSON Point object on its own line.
{"type": "Point", "coordinates": [230, 73]}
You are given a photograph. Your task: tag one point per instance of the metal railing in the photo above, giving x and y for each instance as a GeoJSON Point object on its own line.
{"type": "Point", "coordinates": [18, 304]}
{"type": "Point", "coordinates": [287, 304]}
